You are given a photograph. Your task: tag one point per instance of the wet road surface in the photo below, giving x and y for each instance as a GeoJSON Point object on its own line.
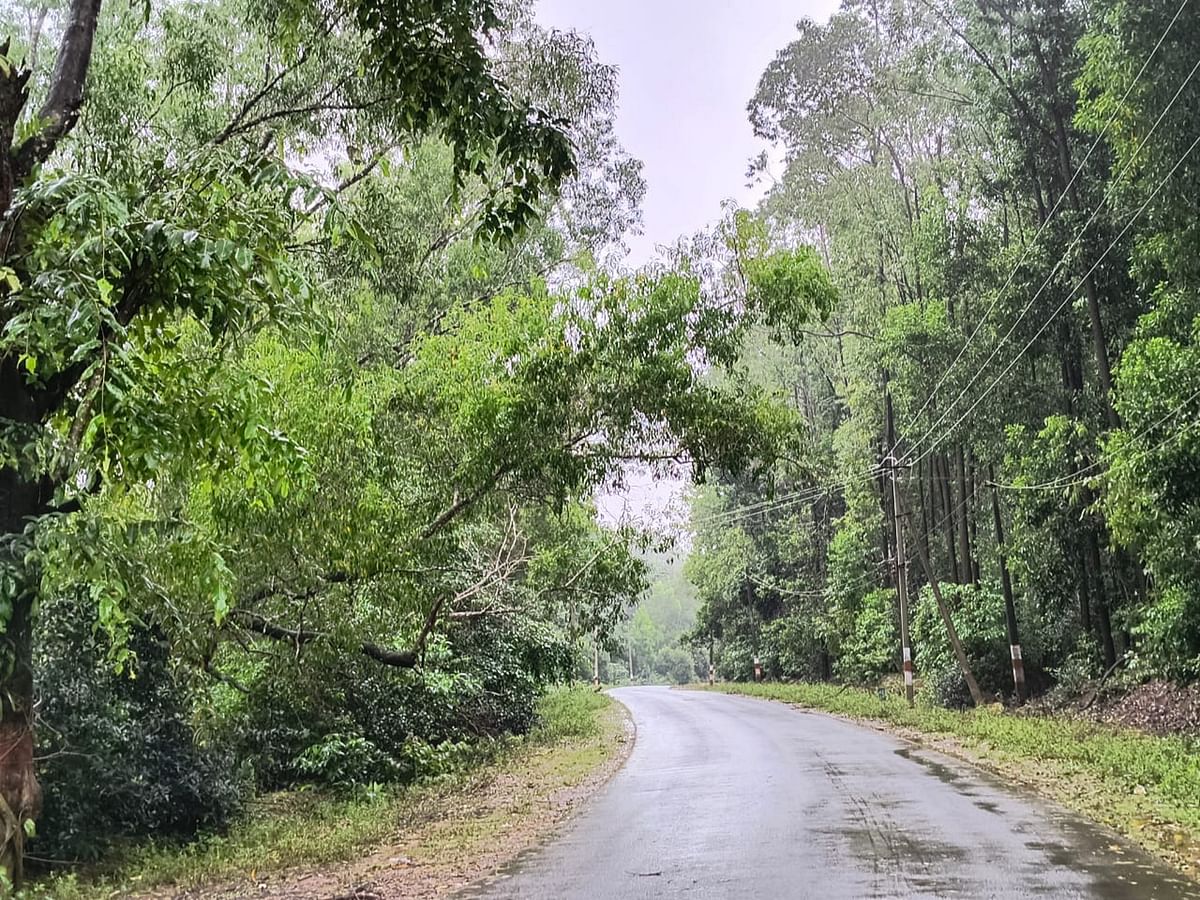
{"type": "Point", "coordinates": [728, 796]}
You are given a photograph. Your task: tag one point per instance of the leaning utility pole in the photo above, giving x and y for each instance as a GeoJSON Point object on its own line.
{"type": "Point", "coordinates": [964, 665]}
{"type": "Point", "coordinates": [1010, 607]}
{"type": "Point", "coordinates": [901, 556]}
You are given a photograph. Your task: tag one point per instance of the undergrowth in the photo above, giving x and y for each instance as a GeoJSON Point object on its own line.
{"type": "Point", "coordinates": [310, 827]}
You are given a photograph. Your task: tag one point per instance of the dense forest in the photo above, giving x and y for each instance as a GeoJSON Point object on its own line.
{"type": "Point", "coordinates": [313, 352]}
{"type": "Point", "coordinates": [1000, 414]}
{"type": "Point", "coordinates": [317, 344]}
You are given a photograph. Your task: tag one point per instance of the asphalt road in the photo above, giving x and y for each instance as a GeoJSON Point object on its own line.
{"type": "Point", "coordinates": [732, 797]}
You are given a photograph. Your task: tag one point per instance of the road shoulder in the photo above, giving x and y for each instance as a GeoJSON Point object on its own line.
{"type": "Point", "coordinates": [1087, 784]}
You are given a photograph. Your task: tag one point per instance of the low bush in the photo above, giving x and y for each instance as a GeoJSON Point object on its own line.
{"type": "Point", "coordinates": [120, 757]}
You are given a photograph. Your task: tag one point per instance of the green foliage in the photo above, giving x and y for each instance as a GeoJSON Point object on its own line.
{"type": "Point", "coordinates": [569, 714]}
{"type": "Point", "coordinates": [120, 758]}
{"type": "Point", "coordinates": [306, 827]}
{"type": "Point", "coordinates": [953, 340]}
{"type": "Point", "coordinates": [978, 615]}
{"type": "Point", "coordinates": [867, 652]}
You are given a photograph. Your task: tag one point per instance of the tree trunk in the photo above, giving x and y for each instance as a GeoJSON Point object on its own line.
{"type": "Point", "coordinates": [926, 503]}
{"type": "Point", "coordinates": [1103, 619]}
{"type": "Point", "coordinates": [943, 480]}
{"type": "Point", "coordinates": [20, 794]}
{"type": "Point", "coordinates": [1085, 596]}
{"type": "Point", "coordinates": [964, 536]}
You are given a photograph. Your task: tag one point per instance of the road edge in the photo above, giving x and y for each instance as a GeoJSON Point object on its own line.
{"type": "Point", "coordinates": [1059, 784]}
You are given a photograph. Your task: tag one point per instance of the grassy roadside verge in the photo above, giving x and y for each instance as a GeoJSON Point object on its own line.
{"type": "Point", "coordinates": [421, 839]}
{"type": "Point", "coordinates": [1144, 786]}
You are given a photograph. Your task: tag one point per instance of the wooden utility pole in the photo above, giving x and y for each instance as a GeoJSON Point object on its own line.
{"type": "Point", "coordinates": [901, 556]}
{"type": "Point", "coordinates": [902, 586]}
{"type": "Point", "coordinates": [964, 665]}
{"type": "Point", "coordinates": [1010, 607]}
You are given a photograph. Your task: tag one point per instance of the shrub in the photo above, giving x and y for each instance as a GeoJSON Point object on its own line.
{"type": "Point", "coordinates": [978, 614]}
{"type": "Point", "coordinates": [869, 651]}
{"type": "Point", "coordinates": [675, 664]}
{"type": "Point", "coordinates": [569, 713]}
{"type": "Point", "coordinates": [120, 756]}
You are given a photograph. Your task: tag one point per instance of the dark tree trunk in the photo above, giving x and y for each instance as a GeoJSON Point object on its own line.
{"type": "Point", "coordinates": [20, 794]}
{"type": "Point", "coordinates": [1103, 619]}
{"type": "Point", "coordinates": [964, 536]}
{"type": "Point", "coordinates": [947, 493]}
{"type": "Point", "coordinates": [24, 496]}
{"type": "Point", "coordinates": [926, 499]}
{"type": "Point", "coordinates": [1085, 595]}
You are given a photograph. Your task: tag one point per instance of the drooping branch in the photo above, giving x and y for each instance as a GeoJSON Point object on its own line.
{"type": "Point", "coordinates": [509, 556]}
{"type": "Point", "coordinates": [259, 624]}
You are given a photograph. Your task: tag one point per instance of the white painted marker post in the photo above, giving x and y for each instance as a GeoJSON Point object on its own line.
{"type": "Point", "coordinates": [1018, 666]}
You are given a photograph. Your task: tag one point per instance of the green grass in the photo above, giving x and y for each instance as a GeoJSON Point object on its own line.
{"type": "Point", "coordinates": [1145, 785]}
{"type": "Point", "coordinates": [310, 827]}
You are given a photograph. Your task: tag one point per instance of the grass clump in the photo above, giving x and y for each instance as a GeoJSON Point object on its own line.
{"type": "Point", "coordinates": [569, 714]}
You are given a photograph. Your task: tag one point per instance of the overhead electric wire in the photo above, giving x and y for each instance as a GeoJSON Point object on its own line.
{"type": "Point", "coordinates": [1053, 210]}
{"type": "Point", "coordinates": [1046, 283]}
{"type": "Point", "coordinates": [738, 514]}
{"type": "Point", "coordinates": [1065, 301]}
{"type": "Point", "coordinates": [1078, 476]}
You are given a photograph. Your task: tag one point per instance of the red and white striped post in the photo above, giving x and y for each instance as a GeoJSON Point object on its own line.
{"type": "Point", "coordinates": [1018, 667]}
{"type": "Point", "coordinates": [908, 675]}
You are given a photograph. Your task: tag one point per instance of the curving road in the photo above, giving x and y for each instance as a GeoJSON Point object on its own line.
{"type": "Point", "coordinates": [728, 796]}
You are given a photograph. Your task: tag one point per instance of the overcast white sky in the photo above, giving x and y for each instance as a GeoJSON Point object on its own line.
{"type": "Point", "coordinates": [688, 68]}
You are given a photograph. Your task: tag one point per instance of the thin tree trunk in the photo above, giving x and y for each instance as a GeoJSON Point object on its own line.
{"type": "Point", "coordinates": [926, 499]}
{"type": "Point", "coordinates": [1103, 619]}
{"type": "Point", "coordinates": [947, 493]}
{"type": "Point", "coordinates": [964, 537]}
{"type": "Point", "coordinates": [1085, 595]}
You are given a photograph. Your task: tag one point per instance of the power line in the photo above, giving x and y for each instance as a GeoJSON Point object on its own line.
{"type": "Point", "coordinates": [1078, 477]}
{"type": "Point", "coordinates": [1067, 299]}
{"type": "Point", "coordinates": [1053, 211]}
{"type": "Point", "coordinates": [762, 507]}
{"type": "Point", "coordinates": [740, 513]}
